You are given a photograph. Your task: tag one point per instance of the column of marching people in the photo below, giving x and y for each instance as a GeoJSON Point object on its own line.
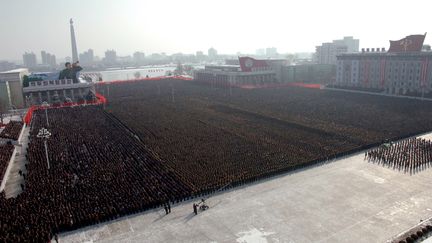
{"type": "Point", "coordinates": [409, 155]}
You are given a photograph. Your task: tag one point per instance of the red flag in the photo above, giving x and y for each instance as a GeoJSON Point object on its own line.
{"type": "Point", "coordinates": [410, 43]}
{"type": "Point", "coordinates": [366, 65]}
{"type": "Point", "coordinates": [383, 71]}
{"type": "Point", "coordinates": [249, 64]}
{"type": "Point", "coordinates": [424, 69]}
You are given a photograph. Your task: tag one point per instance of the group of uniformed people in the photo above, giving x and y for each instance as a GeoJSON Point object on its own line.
{"type": "Point", "coordinates": [408, 155]}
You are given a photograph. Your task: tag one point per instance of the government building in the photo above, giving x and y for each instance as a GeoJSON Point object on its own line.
{"type": "Point", "coordinates": [405, 69]}
{"type": "Point", "coordinates": [11, 95]}
{"type": "Point", "coordinates": [249, 71]}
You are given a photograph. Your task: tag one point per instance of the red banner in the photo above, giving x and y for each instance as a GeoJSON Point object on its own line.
{"type": "Point", "coordinates": [424, 72]}
{"type": "Point", "coordinates": [28, 116]}
{"type": "Point", "coordinates": [411, 43]}
{"type": "Point", "coordinates": [383, 72]}
{"type": "Point", "coordinates": [249, 64]}
{"type": "Point", "coordinates": [366, 65]}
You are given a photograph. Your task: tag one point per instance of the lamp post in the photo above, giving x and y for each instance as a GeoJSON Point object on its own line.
{"type": "Point", "coordinates": [45, 134]}
{"type": "Point", "coordinates": [46, 105]}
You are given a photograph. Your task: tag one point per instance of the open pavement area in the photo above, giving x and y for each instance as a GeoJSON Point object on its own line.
{"type": "Point", "coordinates": [347, 200]}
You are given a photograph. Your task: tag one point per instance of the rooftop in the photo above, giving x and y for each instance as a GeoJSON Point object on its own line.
{"type": "Point", "coordinates": [380, 53]}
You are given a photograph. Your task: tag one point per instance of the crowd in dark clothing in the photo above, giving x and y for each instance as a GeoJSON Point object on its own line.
{"type": "Point", "coordinates": [12, 130]}
{"type": "Point", "coordinates": [409, 155]}
{"type": "Point", "coordinates": [214, 136]}
{"type": "Point", "coordinates": [98, 171]}
{"type": "Point", "coordinates": [6, 151]}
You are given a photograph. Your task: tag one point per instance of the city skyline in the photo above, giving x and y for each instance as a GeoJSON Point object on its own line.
{"type": "Point", "coordinates": [130, 26]}
{"type": "Point", "coordinates": [88, 56]}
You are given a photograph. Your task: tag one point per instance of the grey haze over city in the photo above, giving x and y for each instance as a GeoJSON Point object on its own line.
{"type": "Point", "coordinates": [215, 121]}
{"type": "Point", "coordinates": [189, 26]}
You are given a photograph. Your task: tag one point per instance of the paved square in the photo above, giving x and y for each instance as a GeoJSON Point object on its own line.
{"type": "Point", "coordinates": [348, 200]}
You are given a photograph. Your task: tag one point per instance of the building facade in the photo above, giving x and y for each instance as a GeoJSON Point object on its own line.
{"type": "Point", "coordinates": [11, 89]}
{"type": "Point", "coordinates": [48, 59]}
{"type": "Point", "coordinates": [352, 44]}
{"type": "Point", "coordinates": [110, 57]}
{"type": "Point", "coordinates": [247, 71]}
{"type": "Point", "coordinates": [403, 69]}
{"type": "Point", "coordinates": [138, 57]}
{"type": "Point", "coordinates": [44, 57]}
{"type": "Point", "coordinates": [309, 73]}
{"type": "Point", "coordinates": [212, 53]}
{"type": "Point", "coordinates": [271, 52]}
{"type": "Point", "coordinates": [87, 57]}
{"type": "Point", "coordinates": [327, 52]}
{"type": "Point", "coordinates": [231, 76]}
{"type": "Point", "coordinates": [393, 73]}
{"type": "Point", "coordinates": [5, 65]}
{"type": "Point", "coordinates": [29, 60]}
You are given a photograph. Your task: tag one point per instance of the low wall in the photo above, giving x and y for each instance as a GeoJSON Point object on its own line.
{"type": "Point", "coordinates": [21, 134]}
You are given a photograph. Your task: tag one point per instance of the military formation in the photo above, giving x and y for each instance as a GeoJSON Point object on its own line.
{"type": "Point", "coordinates": [409, 155]}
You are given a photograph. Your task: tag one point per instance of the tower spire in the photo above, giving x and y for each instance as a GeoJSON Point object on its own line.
{"type": "Point", "coordinates": [73, 41]}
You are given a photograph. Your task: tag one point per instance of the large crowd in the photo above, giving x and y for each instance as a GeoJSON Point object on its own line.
{"type": "Point", "coordinates": [6, 151]}
{"type": "Point", "coordinates": [98, 172]}
{"type": "Point", "coordinates": [409, 155]}
{"type": "Point", "coordinates": [215, 136]}
{"type": "Point", "coordinates": [163, 142]}
{"type": "Point", "coordinates": [12, 130]}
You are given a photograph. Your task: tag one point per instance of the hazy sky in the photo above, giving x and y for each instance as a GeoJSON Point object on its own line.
{"type": "Point", "coordinates": [190, 25]}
